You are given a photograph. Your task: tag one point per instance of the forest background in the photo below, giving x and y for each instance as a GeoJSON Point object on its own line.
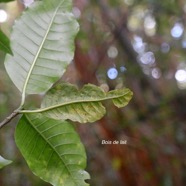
{"type": "Point", "coordinates": [132, 43]}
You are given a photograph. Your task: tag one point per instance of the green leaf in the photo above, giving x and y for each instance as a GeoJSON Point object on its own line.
{"type": "Point", "coordinates": [42, 44]}
{"type": "Point", "coordinates": [5, 43]}
{"type": "Point", "coordinates": [52, 150]}
{"type": "Point", "coordinates": [6, 1]}
{"type": "Point", "coordinates": [65, 102]}
{"type": "Point", "coordinates": [4, 162]}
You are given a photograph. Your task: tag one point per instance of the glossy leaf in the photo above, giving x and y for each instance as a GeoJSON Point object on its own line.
{"type": "Point", "coordinates": [5, 43]}
{"type": "Point", "coordinates": [52, 150]}
{"type": "Point", "coordinates": [4, 162]}
{"type": "Point", "coordinates": [65, 102]}
{"type": "Point", "coordinates": [42, 42]}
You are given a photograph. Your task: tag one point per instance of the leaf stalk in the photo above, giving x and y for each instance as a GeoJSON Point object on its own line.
{"type": "Point", "coordinates": [9, 118]}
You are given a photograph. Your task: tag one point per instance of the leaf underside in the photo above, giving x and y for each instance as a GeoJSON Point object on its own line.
{"type": "Point", "coordinates": [52, 150]}
{"type": "Point", "coordinates": [4, 162]}
{"type": "Point", "coordinates": [42, 42]}
{"type": "Point", "coordinates": [65, 101]}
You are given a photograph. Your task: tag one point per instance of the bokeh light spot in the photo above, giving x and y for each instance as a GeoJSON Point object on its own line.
{"type": "Point", "coordinates": [150, 25]}
{"type": "Point", "coordinates": [177, 30]}
{"type": "Point", "coordinates": [180, 75]}
{"type": "Point", "coordinates": [112, 52]}
{"type": "Point", "coordinates": [147, 58]}
{"type": "Point", "coordinates": [27, 3]}
{"type": "Point", "coordinates": [156, 73]}
{"type": "Point", "coordinates": [129, 2]}
{"type": "Point", "coordinates": [165, 47]}
{"type": "Point", "coordinates": [112, 73]}
{"type": "Point", "coordinates": [184, 43]}
{"type": "Point", "coordinates": [76, 11]}
{"type": "Point", "coordinates": [138, 44]}
{"type": "Point", "coordinates": [3, 16]}
{"type": "Point", "coordinates": [123, 69]}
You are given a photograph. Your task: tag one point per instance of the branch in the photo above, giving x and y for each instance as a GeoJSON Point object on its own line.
{"type": "Point", "coordinates": [9, 118]}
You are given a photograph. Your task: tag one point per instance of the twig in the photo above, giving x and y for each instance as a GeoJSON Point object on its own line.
{"type": "Point", "coordinates": [9, 118]}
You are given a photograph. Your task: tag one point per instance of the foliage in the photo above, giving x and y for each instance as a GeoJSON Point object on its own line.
{"type": "Point", "coordinates": [4, 162]}
{"type": "Point", "coordinates": [50, 34]}
{"type": "Point", "coordinates": [5, 1]}
{"type": "Point", "coordinates": [144, 43]}
{"type": "Point", "coordinates": [64, 102]}
{"type": "Point", "coordinates": [52, 150]}
{"type": "Point", "coordinates": [47, 141]}
{"type": "Point", "coordinates": [4, 43]}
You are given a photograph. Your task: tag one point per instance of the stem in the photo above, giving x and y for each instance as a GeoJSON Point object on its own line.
{"type": "Point", "coordinates": [9, 118]}
{"type": "Point", "coordinates": [22, 100]}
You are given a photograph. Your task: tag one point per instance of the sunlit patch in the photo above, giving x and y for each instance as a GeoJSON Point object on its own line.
{"type": "Point", "coordinates": [76, 11]}
{"type": "Point", "coordinates": [112, 52]}
{"type": "Point", "coordinates": [112, 73]}
{"type": "Point", "coordinates": [177, 30]}
{"type": "Point", "coordinates": [149, 22]}
{"type": "Point", "coordinates": [3, 16]}
{"type": "Point", "coordinates": [165, 47]}
{"type": "Point", "coordinates": [156, 73]}
{"type": "Point", "coordinates": [147, 58]}
{"type": "Point", "coordinates": [135, 20]}
{"type": "Point", "coordinates": [150, 25]}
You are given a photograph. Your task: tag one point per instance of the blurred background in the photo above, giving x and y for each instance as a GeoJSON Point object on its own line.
{"type": "Point", "coordinates": [139, 44]}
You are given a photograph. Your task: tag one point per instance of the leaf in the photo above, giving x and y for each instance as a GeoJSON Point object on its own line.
{"type": "Point", "coordinates": [5, 43]}
{"type": "Point", "coordinates": [42, 44]}
{"type": "Point", "coordinates": [5, 1]}
{"type": "Point", "coordinates": [52, 150]}
{"type": "Point", "coordinates": [4, 162]}
{"type": "Point", "coordinates": [65, 102]}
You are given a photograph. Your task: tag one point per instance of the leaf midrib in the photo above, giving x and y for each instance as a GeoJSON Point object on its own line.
{"type": "Point", "coordinates": [35, 128]}
{"type": "Point", "coordinates": [72, 102]}
{"type": "Point", "coordinates": [36, 56]}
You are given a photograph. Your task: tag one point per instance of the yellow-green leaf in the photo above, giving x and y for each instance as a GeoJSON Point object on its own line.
{"type": "Point", "coordinates": [65, 101]}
